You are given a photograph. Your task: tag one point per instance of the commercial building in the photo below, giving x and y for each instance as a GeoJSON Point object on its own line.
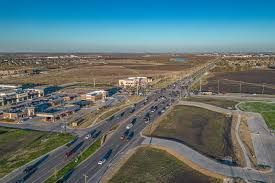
{"type": "Point", "coordinates": [95, 95]}
{"type": "Point", "coordinates": [134, 81]}
{"type": "Point", "coordinates": [14, 94]}
{"type": "Point", "coordinates": [54, 114]}
{"type": "Point", "coordinates": [10, 115]}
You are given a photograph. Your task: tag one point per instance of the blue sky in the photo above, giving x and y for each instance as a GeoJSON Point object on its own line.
{"type": "Point", "coordinates": [137, 25]}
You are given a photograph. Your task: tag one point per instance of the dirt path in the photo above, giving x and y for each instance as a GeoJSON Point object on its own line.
{"type": "Point", "coordinates": [237, 133]}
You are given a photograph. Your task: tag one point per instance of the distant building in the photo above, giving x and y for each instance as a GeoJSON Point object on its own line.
{"type": "Point", "coordinates": [9, 115]}
{"type": "Point", "coordinates": [14, 94]}
{"type": "Point", "coordinates": [69, 97]}
{"type": "Point", "coordinates": [95, 95]}
{"type": "Point", "coordinates": [134, 81]}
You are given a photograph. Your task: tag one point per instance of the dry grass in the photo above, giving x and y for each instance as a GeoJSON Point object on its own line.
{"type": "Point", "coordinates": [201, 129]}
{"type": "Point", "coordinates": [155, 165]}
{"type": "Point", "coordinates": [235, 144]}
{"type": "Point", "coordinates": [107, 72]}
{"type": "Point", "coordinates": [246, 138]}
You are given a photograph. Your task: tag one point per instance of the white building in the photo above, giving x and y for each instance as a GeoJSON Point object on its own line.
{"type": "Point", "coordinates": [134, 81]}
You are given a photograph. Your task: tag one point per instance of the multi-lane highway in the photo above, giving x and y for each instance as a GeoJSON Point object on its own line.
{"type": "Point", "coordinates": [46, 167]}
{"type": "Point", "coordinates": [92, 169]}
{"type": "Point", "coordinates": [56, 160]}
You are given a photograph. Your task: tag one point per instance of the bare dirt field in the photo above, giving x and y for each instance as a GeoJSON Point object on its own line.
{"type": "Point", "coordinates": [106, 72]}
{"type": "Point", "coordinates": [241, 82]}
{"type": "Point", "coordinates": [154, 165]}
{"type": "Point", "coordinates": [206, 131]}
{"type": "Point", "coordinates": [227, 104]}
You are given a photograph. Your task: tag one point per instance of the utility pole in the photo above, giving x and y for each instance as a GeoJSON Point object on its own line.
{"type": "Point", "coordinates": [85, 178]}
{"type": "Point", "coordinates": [137, 88]}
{"type": "Point", "coordinates": [218, 86]}
{"type": "Point", "coordinates": [200, 85]}
{"type": "Point", "coordinates": [263, 90]}
{"type": "Point", "coordinates": [94, 82]}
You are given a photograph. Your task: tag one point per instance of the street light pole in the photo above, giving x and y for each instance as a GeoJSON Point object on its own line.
{"type": "Point", "coordinates": [85, 178]}
{"type": "Point", "coordinates": [218, 86]}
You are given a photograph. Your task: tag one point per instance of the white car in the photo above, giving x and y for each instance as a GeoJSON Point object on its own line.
{"type": "Point", "coordinates": [129, 126]}
{"type": "Point", "coordinates": [101, 162]}
{"type": "Point", "coordinates": [88, 136]}
{"type": "Point", "coordinates": [147, 121]}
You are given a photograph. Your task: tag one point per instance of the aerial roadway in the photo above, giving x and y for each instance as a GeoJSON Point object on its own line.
{"type": "Point", "coordinates": [131, 122]}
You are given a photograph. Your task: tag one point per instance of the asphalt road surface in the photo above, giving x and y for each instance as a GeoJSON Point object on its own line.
{"type": "Point", "coordinates": [90, 167]}
{"type": "Point", "coordinates": [56, 160]}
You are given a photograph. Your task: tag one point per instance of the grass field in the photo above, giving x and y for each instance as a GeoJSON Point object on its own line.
{"type": "Point", "coordinates": [206, 131]}
{"type": "Point", "coordinates": [216, 102]}
{"type": "Point", "coordinates": [267, 110]}
{"type": "Point", "coordinates": [18, 147]}
{"type": "Point", "coordinates": [154, 166]}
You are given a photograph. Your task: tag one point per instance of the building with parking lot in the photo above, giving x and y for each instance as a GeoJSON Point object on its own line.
{"type": "Point", "coordinates": [95, 96]}
{"type": "Point", "coordinates": [54, 114]}
{"type": "Point", "coordinates": [14, 94]}
{"type": "Point", "coordinates": [134, 81]}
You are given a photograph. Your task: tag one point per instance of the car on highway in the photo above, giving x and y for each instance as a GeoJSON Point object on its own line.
{"type": "Point", "coordinates": [134, 121]}
{"type": "Point", "coordinates": [147, 117]}
{"type": "Point", "coordinates": [72, 142]}
{"type": "Point", "coordinates": [130, 125]}
{"type": "Point", "coordinates": [147, 120]}
{"type": "Point", "coordinates": [95, 135]}
{"type": "Point", "coordinates": [68, 154]}
{"type": "Point", "coordinates": [130, 136]}
{"type": "Point", "coordinates": [92, 132]}
{"type": "Point", "coordinates": [88, 136]}
{"type": "Point", "coordinates": [133, 110]}
{"type": "Point", "coordinates": [125, 134]}
{"type": "Point", "coordinates": [105, 157]}
{"type": "Point", "coordinates": [28, 169]}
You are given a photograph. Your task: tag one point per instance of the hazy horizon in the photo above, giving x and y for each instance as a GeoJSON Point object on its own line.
{"type": "Point", "coordinates": [137, 26]}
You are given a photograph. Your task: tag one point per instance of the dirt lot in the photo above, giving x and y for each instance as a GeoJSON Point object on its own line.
{"type": "Point", "coordinates": [106, 72]}
{"type": "Point", "coordinates": [227, 104]}
{"type": "Point", "coordinates": [153, 165]}
{"type": "Point", "coordinates": [206, 131]}
{"type": "Point", "coordinates": [251, 82]}
{"type": "Point", "coordinates": [17, 147]}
